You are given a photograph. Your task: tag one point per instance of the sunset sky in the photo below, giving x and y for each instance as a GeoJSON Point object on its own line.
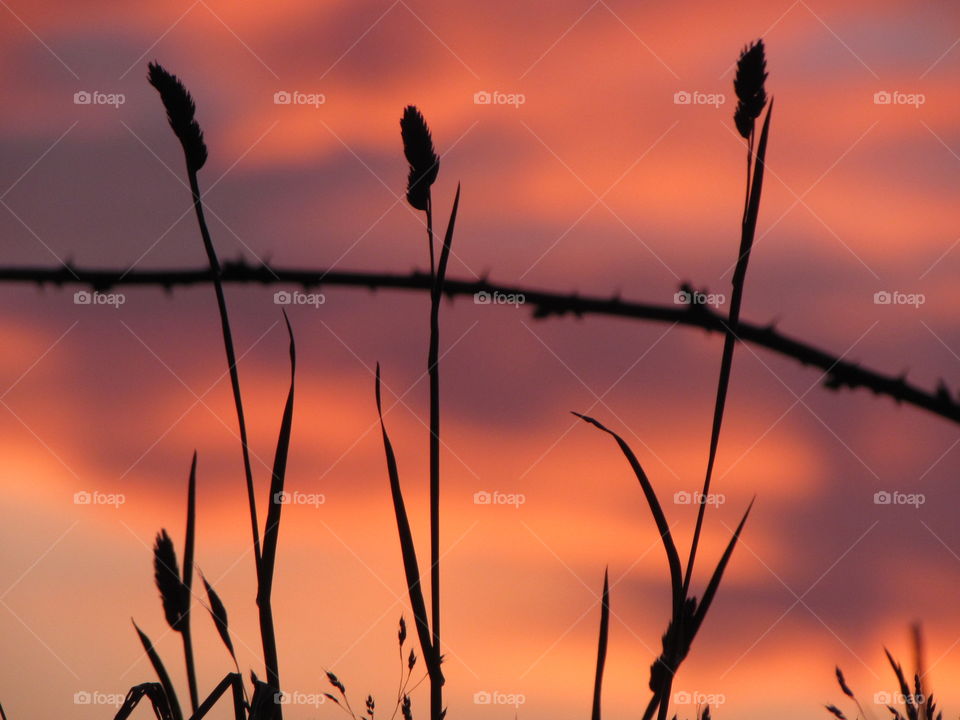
{"type": "Point", "coordinates": [593, 179]}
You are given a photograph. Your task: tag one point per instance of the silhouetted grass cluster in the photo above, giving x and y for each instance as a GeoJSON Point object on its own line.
{"type": "Point", "coordinates": [174, 575]}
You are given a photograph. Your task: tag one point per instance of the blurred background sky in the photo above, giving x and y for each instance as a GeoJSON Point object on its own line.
{"type": "Point", "coordinates": [597, 182]}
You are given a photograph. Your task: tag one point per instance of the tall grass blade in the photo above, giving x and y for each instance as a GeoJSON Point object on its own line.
{"type": "Point", "coordinates": [908, 699]}
{"type": "Point", "coordinates": [601, 645]}
{"type": "Point", "coordinates": [447, 242]}
{"type": "Point", "coordinates": [711, 590]}
{"type": "Point", "coordinates": [162, 675]}
{"type": "Point", "coordinates": [188, 549]}
{"type": "Point", "coordinates": [407, 548]}
{"type": "Point", "coordinates": [271, 532]}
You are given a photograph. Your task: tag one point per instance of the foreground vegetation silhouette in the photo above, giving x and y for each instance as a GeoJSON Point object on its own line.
{"type": "Point", "coordinates": [174, 576]}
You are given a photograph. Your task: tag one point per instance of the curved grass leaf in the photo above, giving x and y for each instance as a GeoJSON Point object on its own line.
{"type": "Point", "coordinates": [162, 675]}
{"type": "Point", "coordinates": [408, 550]}
{"type": "Point", "coordinates": [673, 559]}
{"type": "Point", "coordinates": [219, 614]}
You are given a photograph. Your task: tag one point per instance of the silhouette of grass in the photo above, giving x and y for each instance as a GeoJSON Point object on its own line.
{"type": "Point", "coordinates": [218, 612]}
{"type": "Point", "coordinates": [176, 591]}
{"type": "Point", "coordinates": [602, 644]}
{"type": "Point", "coordinates": [917, 704]}
{"type": "Point", "coordinates": [687, 611]}
{"type": "Point", "coordinates": [424, 166]}
{"type": "Point", "coordinates": [172, 708]}
{"type": "Point", "coordinates": [180, 113]}
{"type": "Point", "coordinates": [687, 615]}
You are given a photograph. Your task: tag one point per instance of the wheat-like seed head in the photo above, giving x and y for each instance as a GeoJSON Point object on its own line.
{"type": "Point", "coordinates": [173, 593]}
{"type": "Point", "coordinates": [420, 154]}
{"type": "Point", "coordinates": [749, 87]}
{"type": "Point", "coordinates": [181, 112]}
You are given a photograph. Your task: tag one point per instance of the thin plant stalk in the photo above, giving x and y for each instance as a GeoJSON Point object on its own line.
{"type": "Point", "coordinates": [433, 369]}
{"type": "Point", "coordinates": [601, 645]}
{"type": "Point", "coordinates": [749, 85]}
{"type": "Point", "coordinates": [424, 165]}
{"type": "Point", "coordinates": [271, 531]}
{"type": "Point", "coordinates": [747, 233]}
{"type": "Point", "coordinates": [188, 552]}
{"type": "Point", "coordinates": [216, 272]}
{"type": "Point", "coordinates": [181, 114]}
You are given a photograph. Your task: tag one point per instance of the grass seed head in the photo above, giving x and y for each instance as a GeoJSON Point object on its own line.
{"type": "Point", "coordinates": [181, 112]}
{"type": "Point", "coordinates": [420, 154]}
{"type": "Point", "coordinates": [749, 87]}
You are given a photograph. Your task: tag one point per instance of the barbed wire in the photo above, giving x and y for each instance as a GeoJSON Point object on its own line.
{"type": "Point", "coordinates": [838, 373]}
